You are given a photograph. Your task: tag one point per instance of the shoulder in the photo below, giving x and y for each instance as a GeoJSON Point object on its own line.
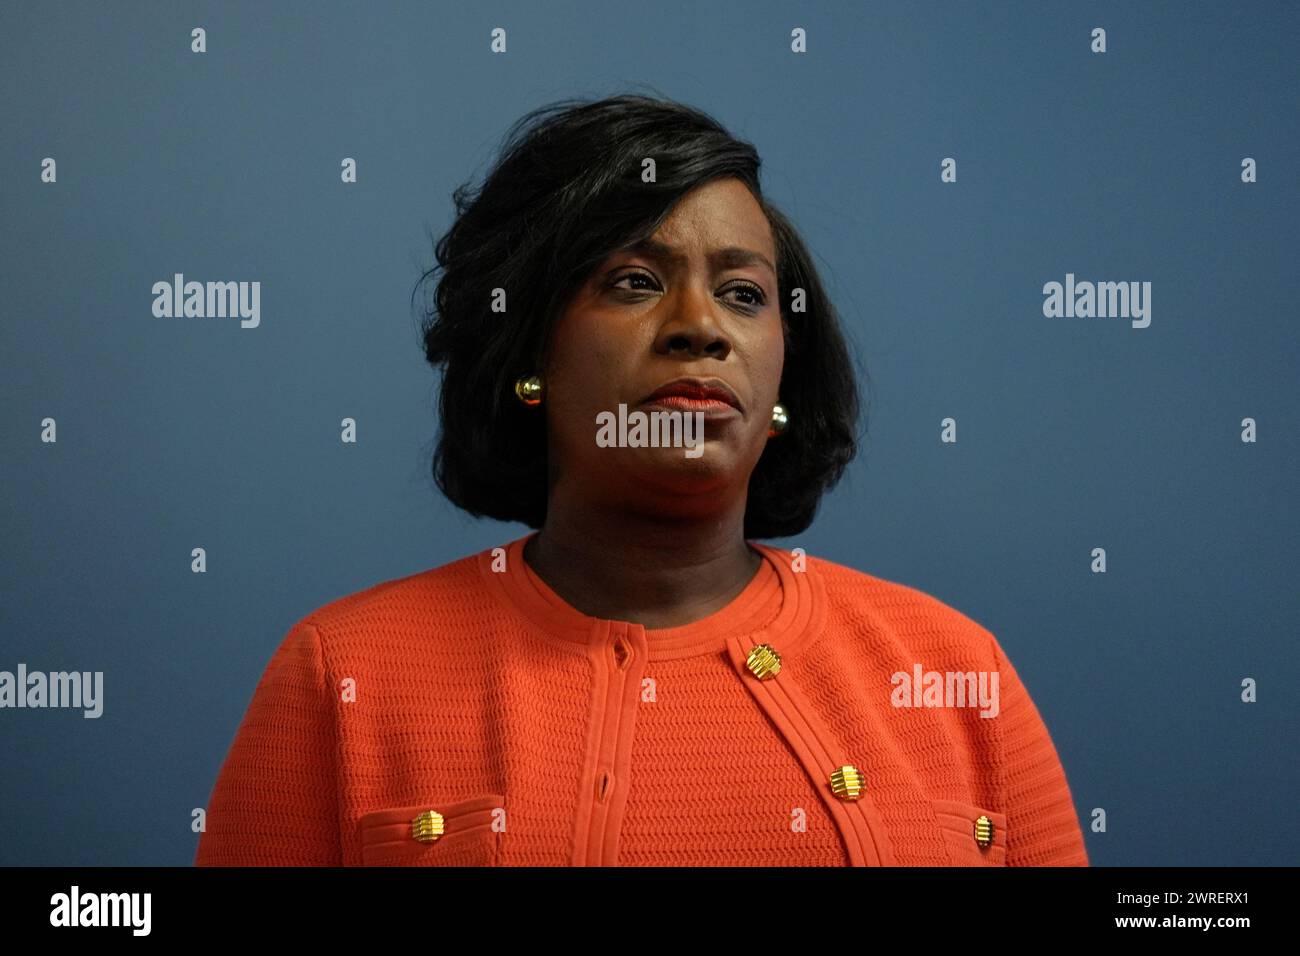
{"type": "Point", "coordinates": [442, 599]}
{"type": "Point", "coordinates": [864, 604]}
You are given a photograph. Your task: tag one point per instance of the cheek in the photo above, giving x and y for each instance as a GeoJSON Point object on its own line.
{"type": "Point", "coordinates": [769, 357]}
{"type": "Point", "coordinates": [586, 367]}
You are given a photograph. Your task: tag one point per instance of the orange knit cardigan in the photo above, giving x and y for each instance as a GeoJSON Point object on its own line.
{"type": "Point", "coordinates": [468, 716]}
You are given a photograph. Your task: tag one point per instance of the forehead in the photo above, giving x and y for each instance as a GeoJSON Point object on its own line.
{"type": "Point", "coordinates": [719, 213]}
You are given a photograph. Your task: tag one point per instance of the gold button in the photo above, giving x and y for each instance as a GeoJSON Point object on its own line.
{"type": "Point", "coordinates": [983, 830]}
{"type": "Point", "coordinates": [427, 827]}
{"type": "Point", "coordinates": [763, 662]}
{"type": "Point", "coordinates": [848, 783]}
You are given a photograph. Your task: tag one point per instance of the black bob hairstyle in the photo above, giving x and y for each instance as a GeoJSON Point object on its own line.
{"type": "Point", "coordinates": [565, 192]}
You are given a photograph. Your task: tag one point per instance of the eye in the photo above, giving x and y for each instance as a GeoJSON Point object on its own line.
{"type": "Point", "coordinates": [635, 276]}
{"type": "Point", "coordinates": [756, 294]}
{"type": "Point", "coordinates": [752, 295]}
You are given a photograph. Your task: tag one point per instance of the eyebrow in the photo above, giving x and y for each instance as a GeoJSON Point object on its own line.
{"type": "Point", "coordinates": [731, 257]}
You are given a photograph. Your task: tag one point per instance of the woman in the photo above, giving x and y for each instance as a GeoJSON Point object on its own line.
{"type": "Point", "coordinates": [637, 681]}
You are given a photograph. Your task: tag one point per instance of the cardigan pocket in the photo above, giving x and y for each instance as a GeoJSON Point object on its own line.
{"type": "Point", "coordinates": [388, 836]}
{"type": "Point", "coordinates": [958, 823]}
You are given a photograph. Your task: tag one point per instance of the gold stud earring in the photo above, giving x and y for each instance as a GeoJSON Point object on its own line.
{"type": "Point", "coordinates": [529, 390]}
{"type": "Point", "coordinates": [780, 421]}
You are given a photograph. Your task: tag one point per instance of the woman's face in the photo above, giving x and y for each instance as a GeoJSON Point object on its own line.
{"type": "Point", "coordinates": [700, 300]}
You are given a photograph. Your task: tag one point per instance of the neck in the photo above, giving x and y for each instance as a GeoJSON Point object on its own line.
{"type": "Point", "coordinates": [651, 569]}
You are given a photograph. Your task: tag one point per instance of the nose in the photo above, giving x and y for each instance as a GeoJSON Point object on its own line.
{"type": "Point", "coordinates": [692, 325]}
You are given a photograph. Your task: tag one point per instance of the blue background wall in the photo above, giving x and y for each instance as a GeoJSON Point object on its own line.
{"type": "Point", "coordinates": [1073, 433]}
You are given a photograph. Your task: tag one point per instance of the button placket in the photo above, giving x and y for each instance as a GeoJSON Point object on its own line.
{"type": "Point", "coordinates": [841, 785]}
{"type": "Point", "coordinates": [622, 654]}
{"type": "Point", "coordinates": [617, 653]}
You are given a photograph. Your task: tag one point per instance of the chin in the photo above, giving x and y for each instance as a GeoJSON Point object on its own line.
{"type": "Point", "coordinates": [711, 459]}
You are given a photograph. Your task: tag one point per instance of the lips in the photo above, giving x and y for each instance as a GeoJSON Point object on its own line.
{"type": "Point", "coordinates": [696, 389]}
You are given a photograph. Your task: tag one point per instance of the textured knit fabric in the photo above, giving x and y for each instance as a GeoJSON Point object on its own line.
{"type": "Point", "coordinates": [545, 737]}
